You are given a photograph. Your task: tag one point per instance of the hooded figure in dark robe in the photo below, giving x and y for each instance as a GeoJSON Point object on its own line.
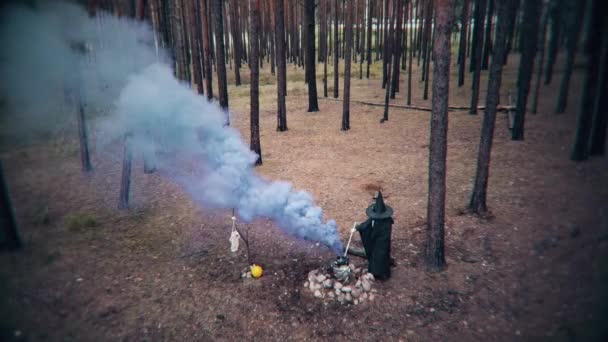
{"type": "Point", "coordinates": [376, 237]}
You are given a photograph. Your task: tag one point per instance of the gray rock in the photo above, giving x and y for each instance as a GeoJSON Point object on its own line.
{"type": "Point", "coordinates": [318, 294]}
{"type": "Point", "coordinates": [338, 285]}
{"type": "Point", "coordinates": [348, 298]}
{"type": "Point", "coordinates": [346, 289]}
{"type": "Point", "coordinates": [306, 284]}
{"type": "Point", "coordinates": [321, 278]}
{"type": "Point", "coordinates": [356, 293]}
{"type": "Point", "coordinates": [327, 284]}
{"type": "Point", "coordinates": [365, 284]}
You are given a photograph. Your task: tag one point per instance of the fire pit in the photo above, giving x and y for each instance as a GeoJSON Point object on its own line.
{"type": "Point", "coordinates": [342, 282]}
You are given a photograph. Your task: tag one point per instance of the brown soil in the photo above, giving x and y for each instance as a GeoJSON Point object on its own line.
{"type": "Point", "coordinates": [534, 270]}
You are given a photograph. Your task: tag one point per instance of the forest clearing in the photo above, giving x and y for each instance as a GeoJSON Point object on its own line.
{"type": "Point", "coordinates": [116, 220]}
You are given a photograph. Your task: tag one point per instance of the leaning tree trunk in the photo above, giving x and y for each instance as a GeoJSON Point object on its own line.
{"type": "Point", "coordinates": [311, 76]}
{"type": "Point", "coordinates": [254, 91]}
{"type": "Point", "coordinates": [220, 58]}
{"type": "Point", "coordinates": [434, 252]}
{"type": "Point", "coordinates": [462, 46]}
{"type": "Point", "coordinates": [206, 50]}
{"type": "Point", "coordinates": [10, 239]}
{"type": "Point", "coordinates": [480, 9]}
{"type": "Point", "coordinates": [348, 14]}
{"type": "Point", "coordinates": [529, 36]}
{"type": "Point", "coordinates": [478, 204]}
{"type": "Point", "coordinates": [281, 67]}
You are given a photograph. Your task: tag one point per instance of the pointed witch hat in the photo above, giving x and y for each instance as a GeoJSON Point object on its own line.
{"type": "Point", "coordinates": [379, 210]}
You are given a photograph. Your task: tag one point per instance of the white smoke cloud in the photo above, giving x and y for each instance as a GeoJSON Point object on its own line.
{"type": "Point", "coordinates": [167, 121]}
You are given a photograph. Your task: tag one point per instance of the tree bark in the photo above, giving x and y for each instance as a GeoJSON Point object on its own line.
{"type": "Point", "coordinates": [600, 120]}
{"type": "Point", "coordinates": [580, 150]}
{"type": "Point", "coordinates": [206, 51]}
{"type": "Point", "coordinates": [531, 18]}
{"type": "Point", "coordinates": [487, 46]}
{"type": "Point", "coordinates": [220, 65]}
{"type": "Point", "coordinates": [480, 9]}
{"type": "Point", "coordinates": [347, 64]}
{"type": "Point", "coordinates": [462, 46]}
{"type": "Point", "coordinates": [397, 49]}
{"type": "Point", "coordinates": [10, 239]}
{"type": "Point", "coordinates": [541, 60]}
{"type": "Point", "coordinates": [477, 203]}
{"type": "Point", "coordinates": [254, 31]}
{"type": "Point", "coordinates": [311, 75]}
{"type": "Point", "coordinates": [281, 67]}
{"type": "Point", "coordinates": [574, 30]}
{"type": "Point", "coordinates": [556, 25]}
{"type": "Point", "coordinates": [370, 8]}
{"type": "Point", "coordinates": [409, 67]}
{"type": "Point", "coordinates": [125, 179]}
{"type": "Point", "coordinates": [434, 251]}
{"type": "Point", "coordinates": [336, 47]}
{"type": "Point", "coordinates": [236, 40]}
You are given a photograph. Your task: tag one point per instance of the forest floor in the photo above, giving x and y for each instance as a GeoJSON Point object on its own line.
{"type": "Point", "coordinates": [533, 270]}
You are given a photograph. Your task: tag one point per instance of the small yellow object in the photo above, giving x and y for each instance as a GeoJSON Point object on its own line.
{"type": "Point", "coordinates": [256, 271]}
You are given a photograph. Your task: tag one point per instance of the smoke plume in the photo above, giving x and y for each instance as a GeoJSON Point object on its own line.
{"type": "Point", "coordinates": [116, 66]}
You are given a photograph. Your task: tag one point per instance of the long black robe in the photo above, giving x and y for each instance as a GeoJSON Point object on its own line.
{"type": "Point", "coordinates": [377, 243]}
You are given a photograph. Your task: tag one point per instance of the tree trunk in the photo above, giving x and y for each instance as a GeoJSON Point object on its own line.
{"type": "Point", "coordinates": [336, 47]}
{"type": "Point", "coordinates": [574, 30]}
{"type": "Point", "coordinates": [487, 48]}
{"type": "Point", "coordinates": [254, 32]}
{"type": "Point", "coordinates": [281, 67]}
{"type": "Point", "coordinates": [541, 60]}
{"type": "Point", "coordinates": [428, 58]}
{"type": "Point", "coordinates": [83, 136]}
{"type": "Point", "coordinates": [409, 67]}
{"type": "Point", "coordinates": [600, 120]}
{"type": "Point", "coordinates": [178, 42]}
{"type": "Point", "coordinates": [580, 150]}
{"type": "Point", "coordinates": [311, 75]}
{"type": "Point", "coordinates": [10, 239]}
{"type": "Point", "coordinates": [556, 25]}
{"type": "Point", "coordinates": [206, 51]}
{"type": "Point", "coordinates": [348, 14]}
{"type": "Point", "coordinates": [478, 204]}
{"type": "Point", "coordinates": [385, 59]}
{"type": "Point", "coordinates": [397, 49]}
{"type": "Point", "coordinates": [462, 46]}
{"type": "Point", "coordinates": [434, 251]}
{"type": "Point", "coordinates": [531, 18]}
{"type": "Point", "coordinates": [220, 65]}
{"type": "Point", "coordinates": [125, 179]}
{"type": "Point", "coordinates": [480, 9]}
{"type": "Point", "coordinates": [370, 8]}
{"type": "Point", "coordinates": [236, 37]}
{"type": "Point", "coordinates": [387, 56]}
